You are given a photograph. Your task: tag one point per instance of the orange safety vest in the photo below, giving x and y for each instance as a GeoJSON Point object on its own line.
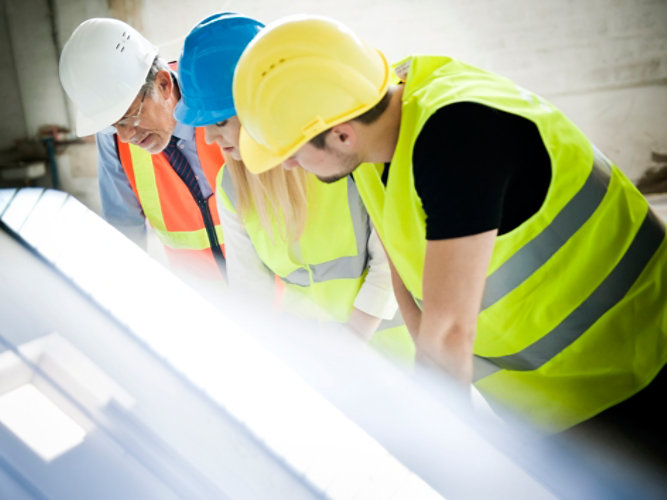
{"type": "Point", "coordinates": [187, 230]}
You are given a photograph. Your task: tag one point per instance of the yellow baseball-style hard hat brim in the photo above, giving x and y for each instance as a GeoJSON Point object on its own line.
{"type": "Point", "coordinates": [301, 76]}
{"type": "Point", "coordinates": [257, 158]}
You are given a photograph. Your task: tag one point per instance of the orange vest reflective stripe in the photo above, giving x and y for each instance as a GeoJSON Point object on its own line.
{"type": "Point", "coordinates": [169, 206]}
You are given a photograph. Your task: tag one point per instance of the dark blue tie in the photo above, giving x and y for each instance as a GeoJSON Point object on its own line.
{"type": "Point", "coordinates": [184, 170]}
{"type": "Point", "coordinates": [181, 166]}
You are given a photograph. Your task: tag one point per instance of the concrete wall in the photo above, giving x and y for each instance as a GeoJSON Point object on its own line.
{"type": "Point", "coordinates": [12, 124]}
{"type": "Point", "coordinates": [604, 62]}
{"type": "Point", "coordinates": [31, 93]}
{"type": "Point", "coordinates": [36, 63]}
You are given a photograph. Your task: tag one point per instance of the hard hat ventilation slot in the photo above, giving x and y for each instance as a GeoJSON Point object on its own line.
{"type": "Point", "coordinates": [123, 39]}
{"type": "Point", "coordinates": [280, 61]}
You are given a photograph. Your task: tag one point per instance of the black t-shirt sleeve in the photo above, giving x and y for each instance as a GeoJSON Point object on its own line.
{"type": "Point", "coordinates": [477, 168]}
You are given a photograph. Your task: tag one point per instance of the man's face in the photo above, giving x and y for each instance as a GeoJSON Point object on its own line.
{"type": "Point", "coordinates": [226, 135]}
{"type": "Point", "coordinates": [149, 124]}
{"type": "Point", "coordinates": [328, 164]}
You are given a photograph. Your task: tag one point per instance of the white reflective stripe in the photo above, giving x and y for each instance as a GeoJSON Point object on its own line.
{"type": "Point", "coordinates": [348, 267]}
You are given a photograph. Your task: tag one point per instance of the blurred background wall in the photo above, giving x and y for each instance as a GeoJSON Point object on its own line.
{"type": "Point", "coordinates": [603, 62]}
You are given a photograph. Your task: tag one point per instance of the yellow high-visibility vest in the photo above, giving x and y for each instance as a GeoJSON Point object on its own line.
{"type": "Point", "coordinates": [324, 270]}
{"type": "Point", "coordinates": [573, 318]}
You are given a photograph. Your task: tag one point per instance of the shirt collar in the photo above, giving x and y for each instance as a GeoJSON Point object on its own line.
{"type": "Point", "coordinates": [182, 131]}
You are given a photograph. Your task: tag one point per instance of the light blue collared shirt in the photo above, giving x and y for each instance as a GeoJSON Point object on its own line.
{"type": "Point", "coordinates": [120, 206]}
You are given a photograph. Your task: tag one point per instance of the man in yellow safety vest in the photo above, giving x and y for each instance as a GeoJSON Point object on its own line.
{"type": "Point", "coordinates": [523, 259]}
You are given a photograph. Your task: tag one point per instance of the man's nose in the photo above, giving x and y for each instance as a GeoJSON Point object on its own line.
{"type": "Point", "coordinates": [125, 134]}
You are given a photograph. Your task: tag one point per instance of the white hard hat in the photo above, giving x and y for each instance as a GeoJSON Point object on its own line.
{"type": "Point", "coordinates": [102, 68]}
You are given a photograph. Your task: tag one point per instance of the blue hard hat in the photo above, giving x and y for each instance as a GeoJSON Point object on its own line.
{"type": "Point", "coordinates": [206, 67]}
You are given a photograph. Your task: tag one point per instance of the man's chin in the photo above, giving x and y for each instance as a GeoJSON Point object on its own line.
{"type": "Point", "coordinates": [333, 178]}
{"type": "Point", "coordinates": [154, 144]}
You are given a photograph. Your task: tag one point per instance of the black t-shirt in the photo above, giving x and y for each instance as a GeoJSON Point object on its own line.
{"type": "Point", "coordinates": [477, 168]}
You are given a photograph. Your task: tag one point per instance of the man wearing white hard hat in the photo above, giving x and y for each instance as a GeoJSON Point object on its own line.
{"type": "Point", "coordinates": [150, 167]}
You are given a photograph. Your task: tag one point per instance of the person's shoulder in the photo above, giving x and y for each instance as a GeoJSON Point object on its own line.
{"type": "Point", "coordinates": [462, 113]}
{"type": "Point", "coordinates": [458, 125]}
{"type": "Point", "coordinates": [106, 145]}
{"type": "Point", "coordinates": [105, 140]}
{"type": "Point", "coordinates": [108, 156]}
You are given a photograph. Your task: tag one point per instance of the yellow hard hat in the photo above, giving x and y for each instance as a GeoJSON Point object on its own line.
{"type": "Point", "coordinates": [301, 76]}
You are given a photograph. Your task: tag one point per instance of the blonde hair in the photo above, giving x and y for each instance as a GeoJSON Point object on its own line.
{"type": "Point", "coordinates": [278, 196]}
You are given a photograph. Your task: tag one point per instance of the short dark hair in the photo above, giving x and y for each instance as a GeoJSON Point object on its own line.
{"type": "Point", "coordinates": [366, 118]}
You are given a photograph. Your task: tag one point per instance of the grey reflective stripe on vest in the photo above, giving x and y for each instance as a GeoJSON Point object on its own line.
{"type": "Point", "coordinates": [482, 367]}
{"type": "Point", "coordinates": [343, 267]}
{"type": "Point", "coordinates": [228, 188]}
{"type": "Point", "coordinates": [612, 290]}
{"type": "Point", "coordinates": [539, 250]}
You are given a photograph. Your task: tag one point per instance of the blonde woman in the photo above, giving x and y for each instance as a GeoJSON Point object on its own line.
{"type": "Point", "coordinates": [315, 237]}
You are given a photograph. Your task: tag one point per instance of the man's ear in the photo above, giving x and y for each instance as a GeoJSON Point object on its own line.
{"type": "Point", "coordinates": [344, 134]}
{"type": "Point", "coordinates": [165, 85]}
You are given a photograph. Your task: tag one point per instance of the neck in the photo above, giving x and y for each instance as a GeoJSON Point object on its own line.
{"type": "Point", "coordinates": [176, 92]}
{"type": "Point", "coordinates": [172, 101]}
{"type": "Point", "coordinates": [383, 134]}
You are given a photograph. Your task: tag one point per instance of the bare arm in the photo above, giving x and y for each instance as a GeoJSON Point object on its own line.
{"type": "Point", "coordinates": [406, 303]}
{"type": "Point", "coordinates": [454, 277]}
